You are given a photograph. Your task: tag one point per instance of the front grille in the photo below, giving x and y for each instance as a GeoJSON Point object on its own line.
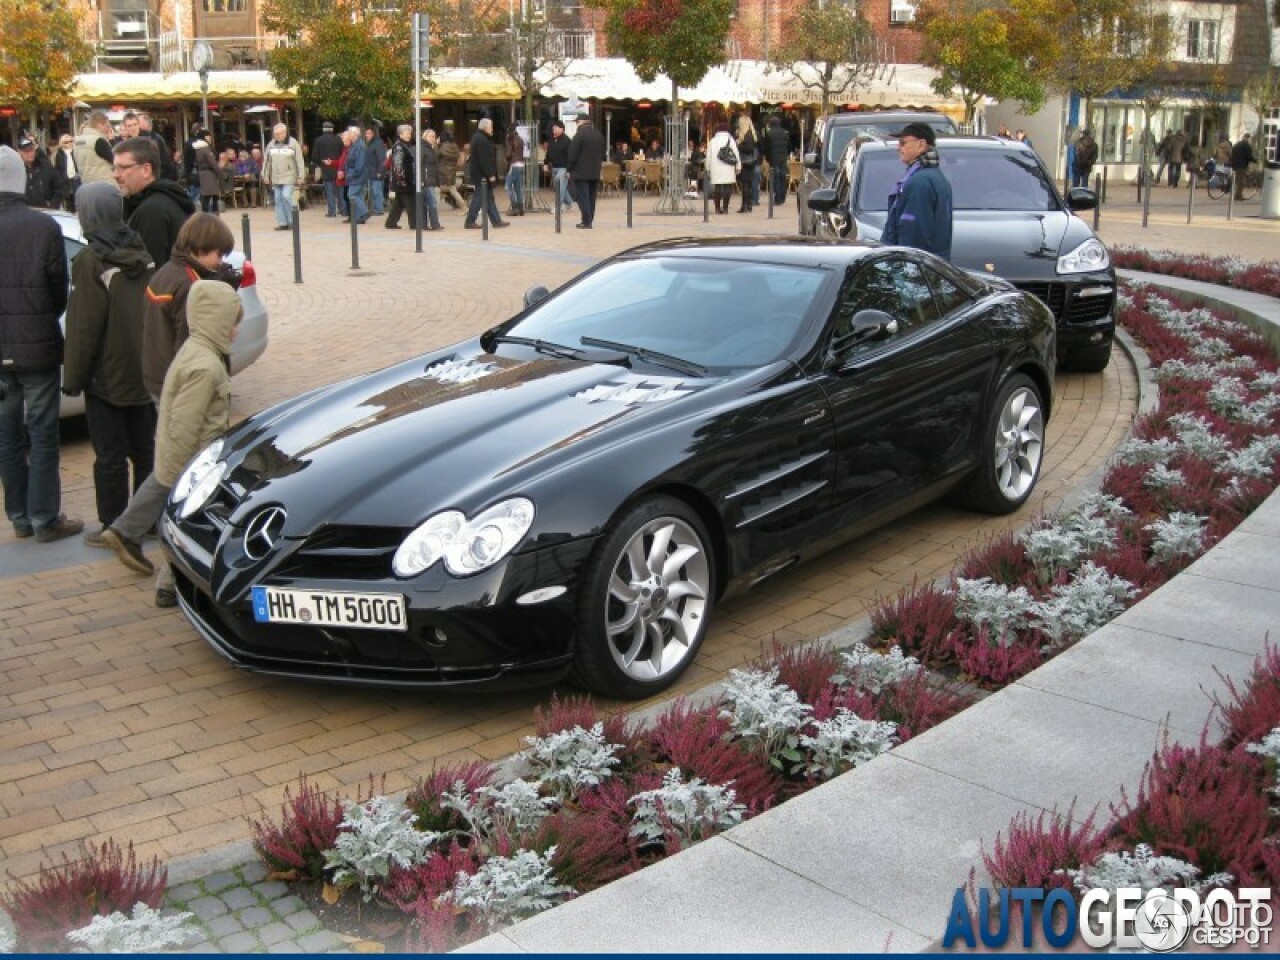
{"type": "Point", "coordinates": [344, 552]}
{"type": "Point", "coordinates": [1052, 295]}
{"type": "Point", "coordinates": [1066, 304]}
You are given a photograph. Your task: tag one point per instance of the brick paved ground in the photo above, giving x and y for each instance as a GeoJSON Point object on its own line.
{"type": "Point", "coordinates": [117, 720]}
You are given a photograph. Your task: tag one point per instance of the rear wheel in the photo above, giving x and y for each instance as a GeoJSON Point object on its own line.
{"type": "Point", "coordinates": [1218, 185]}
{"type": "Point", "coordinates": [645, 600]}
{"type": "Point", "coordinates": [1012, 450]}
{"type": "Point", "coordinates": [1089, 359]}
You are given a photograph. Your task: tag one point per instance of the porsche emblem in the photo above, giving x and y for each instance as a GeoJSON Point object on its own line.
{"type": "Point", "coordinates": [991, 267]}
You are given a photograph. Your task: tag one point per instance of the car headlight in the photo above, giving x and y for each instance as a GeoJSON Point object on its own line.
{"type": "Point", "coordinates": [466, 546]}
{"type": "Point", "coordinates": [199, 480]}
{"type": "Point", "coordinates": [1086, 258]}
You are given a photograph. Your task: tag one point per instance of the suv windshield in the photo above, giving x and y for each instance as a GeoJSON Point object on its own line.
{"type": "Point", "coordinates": [981, 179]}
{"type": "Point", "coordinates": [839, 135]}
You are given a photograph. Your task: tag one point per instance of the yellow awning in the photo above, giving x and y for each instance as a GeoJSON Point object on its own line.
{"type": "Point", "coordinates": [469, 83]}
{"type": "Point", "coordinates": [97, 88]}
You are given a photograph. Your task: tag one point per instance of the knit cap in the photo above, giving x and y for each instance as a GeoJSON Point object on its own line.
{"type": "Point", "coordinates": [13, 172]}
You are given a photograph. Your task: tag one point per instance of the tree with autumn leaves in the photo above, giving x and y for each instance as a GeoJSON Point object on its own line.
{"type": "Point", "coordinates": [41, 51]}
{"type": "Point", "coordinates": [831, 51]}
{"type": "Point", "coordinates": [680, 38]}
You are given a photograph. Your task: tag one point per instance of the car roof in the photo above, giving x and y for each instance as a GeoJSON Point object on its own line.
{"type": "Point", "coordinates": [879, 116]}
{"type": "Point", "coordinates": [990, 143]}
{"type": "Point", "coordinates": [772, 249]}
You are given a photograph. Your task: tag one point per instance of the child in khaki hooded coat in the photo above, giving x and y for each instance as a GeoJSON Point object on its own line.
{"type": "Point", "coordinates": [195, 406]}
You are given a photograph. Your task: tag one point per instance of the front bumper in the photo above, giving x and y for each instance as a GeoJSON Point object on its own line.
{"type": "Point", "coordinates": [1083, 305]}
{"type": "Point", "coordinates": [509, 626]}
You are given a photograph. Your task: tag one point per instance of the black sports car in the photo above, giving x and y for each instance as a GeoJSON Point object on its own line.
{"type": "Point", "coordinates": [577, 487]}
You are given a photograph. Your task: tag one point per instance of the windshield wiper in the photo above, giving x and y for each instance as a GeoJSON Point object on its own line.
{"type": "Point", "coordinates": [649, 356]}
{"type": "Point", "coordinates": [542, 346]}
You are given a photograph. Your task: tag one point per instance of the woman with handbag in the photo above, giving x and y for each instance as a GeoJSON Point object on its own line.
{"type": "Point", "coordinates": [750, 159]}
{"type": "Point", "coordinates": [723, 162]}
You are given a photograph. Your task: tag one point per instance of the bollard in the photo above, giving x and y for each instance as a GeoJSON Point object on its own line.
{"type": "Point", "coordinates": [248, 240]}
{"type": "Point", "coordinates": [1146, 205]}
{"type": "Point", "coordinates": [1097, 207]}
{"type": "Point", "coordinates": [1231, 198]}
{"type": "Point", "coordinates": [355, 242]}
{"type": "Point", "coordinates": [1104, 184]}
{"type": "Point", "coordinates": [1191, 197]}
{"type": "Point", "coordinates": [706, 196]}
{"type": "Point", "coordinates": [297, 246]}
{"type": "Point", "coordinates": [484, 208]}
{"type": "Point", "coordinates": [420, 213]}
{"type": "Point", "coordinates": [769, 185]}
{"type": "Point", "coordinates": [558, 209]}
{"type": "Point", "coordinates": [631, 193]}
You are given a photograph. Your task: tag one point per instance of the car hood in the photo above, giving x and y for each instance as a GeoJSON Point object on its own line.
{"type": "Point", "coordinates": [453, 430]}
{"type": "Point", "coordinates": [1016, 245]}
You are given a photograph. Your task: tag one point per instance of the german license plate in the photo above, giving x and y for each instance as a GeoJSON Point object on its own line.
{"type": "Point", "coordinates": [328, 608]}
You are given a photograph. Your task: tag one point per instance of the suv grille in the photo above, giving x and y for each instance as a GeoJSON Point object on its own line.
{"type": "Point", "coordinates": [1066, 303]}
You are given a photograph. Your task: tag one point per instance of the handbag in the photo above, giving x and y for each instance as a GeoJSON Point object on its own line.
{"type": "Point", "coordinates": [726, 154]}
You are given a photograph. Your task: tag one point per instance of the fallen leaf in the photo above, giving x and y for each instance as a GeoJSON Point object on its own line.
{"type": "Point", "coordinates": [369, 946]}
{"type": "Point", "coordinates": [284, 875]}
{"type": "Point", "coordinates": [330, 894]}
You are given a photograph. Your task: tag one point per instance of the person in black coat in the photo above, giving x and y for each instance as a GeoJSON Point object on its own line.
{"type": "Point", "coordinates": [66, 175]}
{"type": "Point", "coordinates": [586, 157]}
{"type": "Point", "coordinates": [325, 153]}
{"type": "Point", "coordinates": [483, 171]}
{"type": "Point", "coordinates": [33, 294]}
{"type": "Point", "coordinates": [39, 192]}
{"type": "Point", "coordinates": [777, 150]}
{"type": "Point", "coordinates": [155, 208]}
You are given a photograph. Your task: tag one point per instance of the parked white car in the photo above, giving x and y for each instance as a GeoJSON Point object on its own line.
{"type": "Point", "coordinates": [251, 339]}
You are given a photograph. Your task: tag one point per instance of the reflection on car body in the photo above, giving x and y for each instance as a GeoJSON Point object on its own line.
{"type": "Point", "coordinates": [499, 513]}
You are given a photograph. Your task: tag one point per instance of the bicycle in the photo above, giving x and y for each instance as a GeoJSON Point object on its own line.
{"type": "Point", "coordinates": [1221, 181]}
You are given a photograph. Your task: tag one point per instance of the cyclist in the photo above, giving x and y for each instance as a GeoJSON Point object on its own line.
{"type": "Point", "coordinates": [1241, 159]}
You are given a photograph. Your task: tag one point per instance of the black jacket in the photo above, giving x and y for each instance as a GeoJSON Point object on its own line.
{"type": "Point", "coordinates": [33, 288]}
{"type": "Point", "coordinates": [483, 164]}
{"type": "Point", "coordinates": [558, 152]}
{"type": "Point", "coordinates": [104, 324]}
{"type": "Point", "coordinates": [587, 153]}
{"type": "Point", "coordinates": [777, 147]}
{"type": "Point", "coordinates": [158, 213]}
{"type": "Point", "coordinates": [328, 147]}
{"type": "Point", "coordinates": [40, 192]}
{"type": "Point", "coordinates": [402, 167]}
{"type": "Point", "coordinates": [430, 165]}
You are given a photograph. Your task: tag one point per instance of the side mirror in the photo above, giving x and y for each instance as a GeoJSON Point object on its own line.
{"type": "Point", "coordinates": [823, 200]}
{"type": "Point", "coordinates": [866, 325]}
{"type": "Point", "coordinates": [1081, 198]}
{"type": "Point", "coordinates": [535, 295]}
{"type": "Point", "coordinates": [811, 161]}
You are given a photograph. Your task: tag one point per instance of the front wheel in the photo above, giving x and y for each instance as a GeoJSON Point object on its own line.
{"type": "Point", "coordinates": [1218, 185]}
{"type": "Point", "coordinates": [1012, 447]}
{"type": "Point", "coordinates": [645, 600]}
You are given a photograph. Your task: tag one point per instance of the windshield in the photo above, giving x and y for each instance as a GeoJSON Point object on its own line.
{"type": "Point", "coordinates": [980, 180]}
{"type": "Point", "coordinates": [839, 136]}
{"type": "Point", "coordinates": [714, 313]}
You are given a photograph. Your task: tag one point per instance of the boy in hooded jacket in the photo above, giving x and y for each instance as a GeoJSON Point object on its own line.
{"type": "Point", "coordinates": [104, 349]}
{"type": "Point", "coordinates": [195, 406]}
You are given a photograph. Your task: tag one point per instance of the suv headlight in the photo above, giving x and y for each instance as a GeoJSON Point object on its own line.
{"type": "Point", "coordinates": [1086, 258]}
{"type": "Point", "coordinates": [466, 546]}
{"type": "Point", "coordinates": [197, 483]}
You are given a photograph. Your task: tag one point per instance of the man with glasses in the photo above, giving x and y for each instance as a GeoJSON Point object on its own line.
{"type": "Point", "coordinates": [920, 208]}
{"type": "Point", "coordinates": [155, 208]}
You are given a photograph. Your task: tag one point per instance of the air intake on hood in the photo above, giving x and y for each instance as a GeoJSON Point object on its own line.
{"type": "Point", "coordinates": [458, 371]}
{"type": "Point", "coordinates": [633, 393]}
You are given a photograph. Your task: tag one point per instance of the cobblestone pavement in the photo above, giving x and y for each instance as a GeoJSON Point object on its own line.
{"type": "Point", "coordinates": [117, 721]}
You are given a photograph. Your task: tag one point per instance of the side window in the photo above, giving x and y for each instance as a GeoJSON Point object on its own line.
{"type": "Point", "coordinates": [896, 286]}
{"type": "Point", "coordinates": [948, 296]}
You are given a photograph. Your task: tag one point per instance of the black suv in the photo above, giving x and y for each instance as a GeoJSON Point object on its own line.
{"type": "Point", "coordinates": [834, 132]}
{"type": "Point", "coordinates": [1008, 220]}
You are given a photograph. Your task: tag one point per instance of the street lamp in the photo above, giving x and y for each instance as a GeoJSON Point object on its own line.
{"type": "Point", "coordinates": [202, 60]}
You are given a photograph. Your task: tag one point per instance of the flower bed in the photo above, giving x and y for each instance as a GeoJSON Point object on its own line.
{"type": "Point", "coordinates": [463, 854]}
{"type": "Point", "coordinates": [1257, 276]}
{"type": "Point", "coordinates": [1194, 468]}
{"type": "Point", "coordinates": [1202, 817]}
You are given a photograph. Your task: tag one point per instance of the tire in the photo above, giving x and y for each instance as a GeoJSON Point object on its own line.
{"type": "Point", "coordinates": [1012, 451]}
{"type": "Point", "coordinates": [639, 627]}
{"type": "Point", "coordinates": [1089, 359]}
{"type": "Point", "coordinates": [1217, 186]}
